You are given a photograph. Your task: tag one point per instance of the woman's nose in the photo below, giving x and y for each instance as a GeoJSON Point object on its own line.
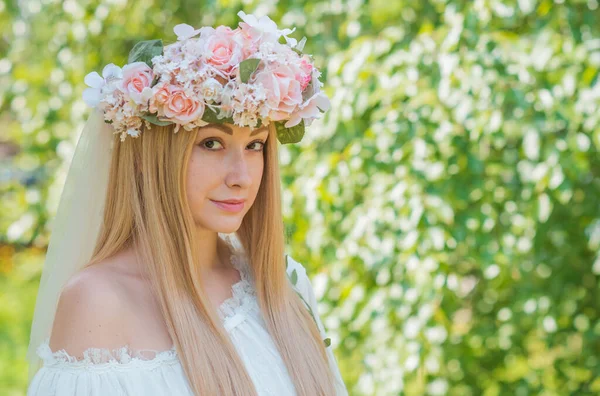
{"type": "Point", "coordinates": [239, 170]}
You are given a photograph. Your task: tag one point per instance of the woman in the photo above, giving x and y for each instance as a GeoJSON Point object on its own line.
{"type": "Point", "coordinates": [166, 272]}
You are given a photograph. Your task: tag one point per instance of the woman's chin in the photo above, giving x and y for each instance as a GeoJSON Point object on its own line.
{"type": "Point", "coordinates": [224, 224]}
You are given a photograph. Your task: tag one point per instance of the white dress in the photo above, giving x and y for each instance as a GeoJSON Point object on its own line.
{"type": "Point", "coordinates": [124, 372]}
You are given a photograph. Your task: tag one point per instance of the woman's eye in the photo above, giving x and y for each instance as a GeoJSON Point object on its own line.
{"type": "Point", "coordinates": [214, 145]}
{"type": "Point", "coordinates": [210, 143]}
{"type": "Point", "coordinates": [259, 147]}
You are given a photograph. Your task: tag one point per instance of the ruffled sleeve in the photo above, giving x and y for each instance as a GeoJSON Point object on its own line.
{"type": "Point", "coordinates": [304, 286]}
{"type": "Point", "coordinates": [102, 372]}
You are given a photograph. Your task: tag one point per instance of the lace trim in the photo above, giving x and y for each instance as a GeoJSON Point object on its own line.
{"type": "Point", "coordinates": [243, 293]}
{"type": "Point", "coordinates": [104, 358]}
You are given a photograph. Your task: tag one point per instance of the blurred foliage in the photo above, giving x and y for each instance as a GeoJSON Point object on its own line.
{"type": "Point", "coordinates": [448, 207]}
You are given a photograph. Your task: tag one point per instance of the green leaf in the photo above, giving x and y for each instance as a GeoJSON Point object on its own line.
{"type": "Point", "coordinates": [144, 51]}
{"type": "Point", "coordinates": [294, 277]}
{"type": "Point", "coordinates": [153, 119]}
{"type": "Point", "coordinates": [248, 67]}
{"type": "Point", "coordinates": [327, 341]}
{"type": "Point", "coordinates": [289, 135]}
{"type": "Point", "coordinates": [211, 116]}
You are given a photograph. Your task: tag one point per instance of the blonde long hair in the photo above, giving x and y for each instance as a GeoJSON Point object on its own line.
{"type": "Point", "coordinates": [146, 204]}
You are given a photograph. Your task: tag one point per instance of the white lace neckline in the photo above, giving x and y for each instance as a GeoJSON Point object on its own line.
{"type": "Point", "coordinates": [242, 291]}
{"type": "Point", "coordinates": [242, 300]}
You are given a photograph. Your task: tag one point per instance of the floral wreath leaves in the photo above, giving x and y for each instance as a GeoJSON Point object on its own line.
{"type": "Point", "coordinates": [247, 67]}
{"type": "Point", "coordinates": [294, 279]}
{"type": "Point", "coordinates": [289, 135]}
{"type": "Point", "coordinates": [211, 116]}
{"type": "Point", "coordinates": [144, 51]}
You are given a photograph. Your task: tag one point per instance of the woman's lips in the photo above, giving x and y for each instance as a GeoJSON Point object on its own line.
{"type": "Point", "coordinates": [229, 207]}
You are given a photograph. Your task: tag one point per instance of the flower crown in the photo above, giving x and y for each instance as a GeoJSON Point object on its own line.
{"type": "Point", "coordinates": [243, 76]}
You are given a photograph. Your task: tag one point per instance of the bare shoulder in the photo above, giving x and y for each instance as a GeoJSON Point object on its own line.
{"type": "Point", "coordinates": [90, 312]}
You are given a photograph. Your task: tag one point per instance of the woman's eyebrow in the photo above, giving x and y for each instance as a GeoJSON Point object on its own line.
{"type": "Point", "coordinates": [229, 131]}
{"type": "Point", "coordinates": [221, 127]}
{"type": "Point", "coordinates": [256, 131]}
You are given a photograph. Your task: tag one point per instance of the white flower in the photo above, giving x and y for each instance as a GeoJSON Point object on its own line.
{"type": "Point", "coordinates": [193, 49]}
{"type": "Point", "coordinates": [185, 31]}
{"type": "Point", "coordinates": [300, 45]}
{"type": "Point", "coordinates": [210, 89]}
{"type": "Point", "coordinates": [267, 27]}
{"type": "Point", "coordinates": [133, 132]}
{"type": "Point", "coordinates": [146, 95]}
{"type": "Point", "coordinates": [99, 86]}
{"type": "Point", "coordinates": [309, 110]}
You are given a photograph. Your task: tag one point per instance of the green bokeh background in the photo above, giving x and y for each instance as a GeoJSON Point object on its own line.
{"type": "Point", "coordinates": [447, 208]}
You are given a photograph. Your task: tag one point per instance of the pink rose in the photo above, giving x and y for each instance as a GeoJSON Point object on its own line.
{"type": "Point", "coordinates": [284, 91]}
{"type": "Point", "coordinates": [223, 49]}
{"type": "Point", "coordinates": [137, 77]}
{"type": "Point", "coordinates": [160, 95]}
{"type": "Point", "coordinates": [250, 37]}
{"type": "Point", "coordinates": [306, 74]}
{"type": "Point", "coordinates": [180, 108]}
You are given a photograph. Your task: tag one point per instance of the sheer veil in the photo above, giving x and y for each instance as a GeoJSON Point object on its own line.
{"type": "Point", "coordinates": [75, 227]}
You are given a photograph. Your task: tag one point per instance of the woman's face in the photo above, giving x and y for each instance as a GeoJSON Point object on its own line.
{"type": "Point", "coordinates": [226, 165]}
